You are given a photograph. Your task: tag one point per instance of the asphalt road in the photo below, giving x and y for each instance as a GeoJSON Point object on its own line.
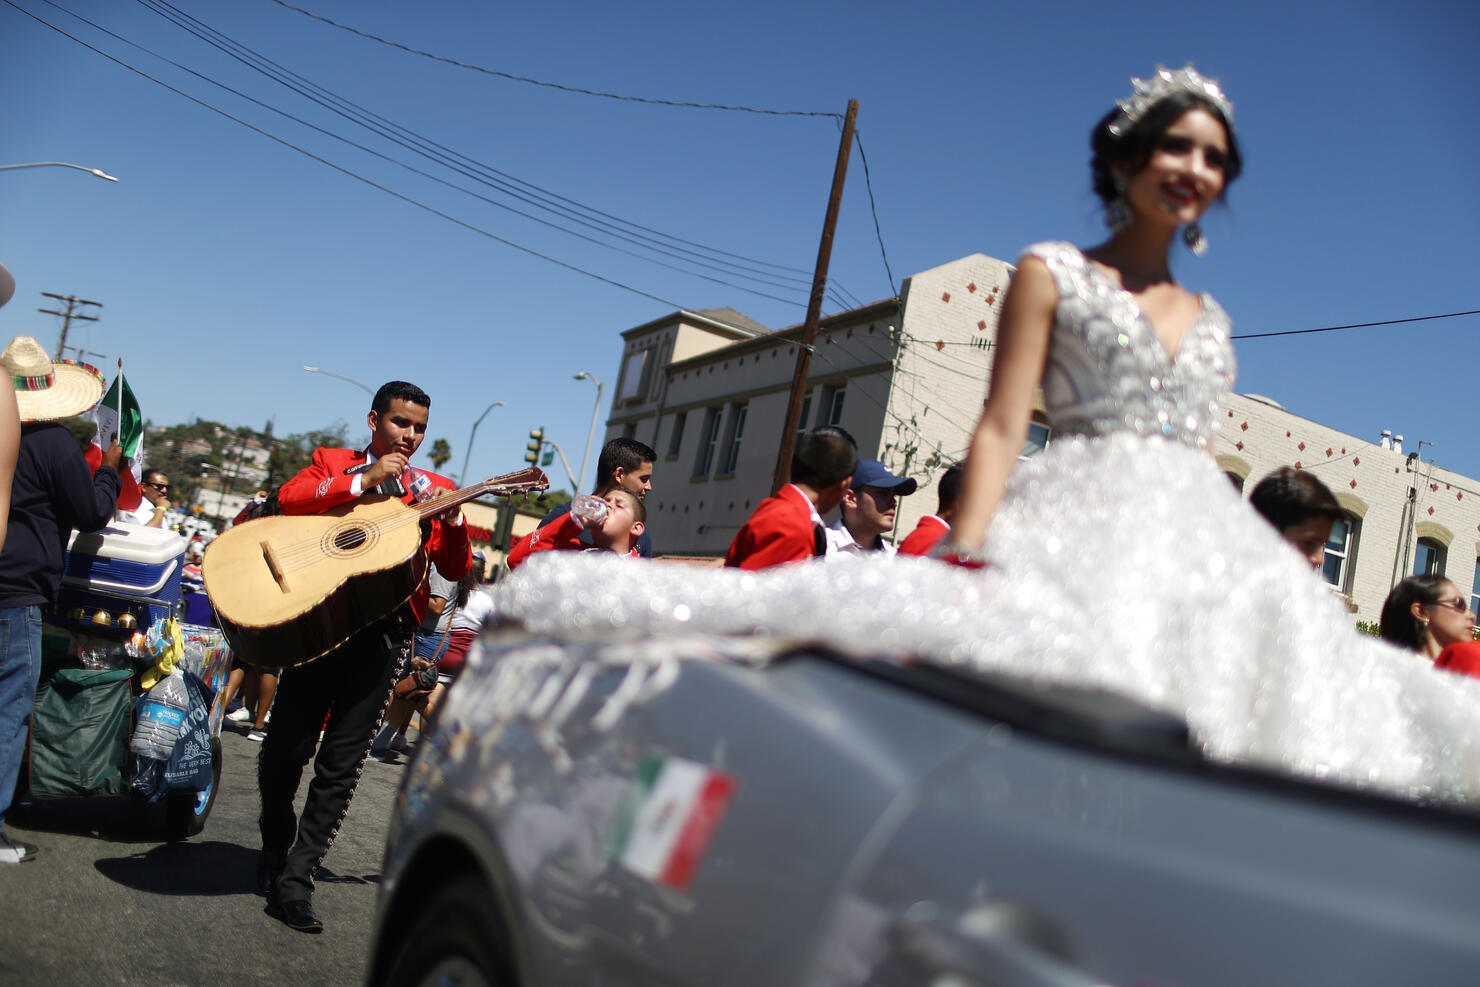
{"type": "Point", "coordinates": [109, 901]}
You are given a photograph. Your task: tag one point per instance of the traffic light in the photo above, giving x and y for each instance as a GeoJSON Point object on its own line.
{"type": "Point", "coordinates": [536, 440]}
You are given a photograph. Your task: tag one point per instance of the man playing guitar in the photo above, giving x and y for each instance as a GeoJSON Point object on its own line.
{"type": "Point", "coordinates": [350, 685]}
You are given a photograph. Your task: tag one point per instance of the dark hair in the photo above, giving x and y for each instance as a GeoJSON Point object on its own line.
{"type": "Point", "coordinates": [949, 487]}
{"type": "Point", "coordinates": [468, 583]}
{"type": "Point", "coordinates": [824, 456]}
{"type": "Point", "coordinates": [391, 390]}
{"type": "Point", "coordinates": [1133, 147]}
{"type": "Point", "coordinates": [150, 473]}
{"type": "Point", "coordinates": [1397, 624]}
{"type": "Point", "coordinates": [621, 452]}
{"type": "Point", "coordinates": [1291, 496]}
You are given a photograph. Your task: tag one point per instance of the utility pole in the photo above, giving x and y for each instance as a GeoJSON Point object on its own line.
{"type": "Point", "coordinates": [71, 313]}
{"type": "Point", "coordinates": [814, 304]}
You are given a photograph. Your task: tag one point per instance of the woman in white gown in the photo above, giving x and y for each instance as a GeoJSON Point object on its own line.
{"type": "Point", "coordinates": [1120, 557]}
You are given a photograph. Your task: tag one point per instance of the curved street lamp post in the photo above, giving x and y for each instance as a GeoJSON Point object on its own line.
{"type": "Point", "coordinates": [60, 164]}
{"type": "Point", "coordinates": [595, 412]}
{"type": "Point", "coordinates": [330, 373]}
{"type": "Point", "coordinates": [462, 478]}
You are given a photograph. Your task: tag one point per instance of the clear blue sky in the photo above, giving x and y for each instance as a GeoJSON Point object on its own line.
{"type": "Point", "coordinates": [226, 261]}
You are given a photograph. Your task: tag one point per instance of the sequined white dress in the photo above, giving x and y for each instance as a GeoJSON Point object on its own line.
{"type": "Point", "coordinates": [1123, 559]}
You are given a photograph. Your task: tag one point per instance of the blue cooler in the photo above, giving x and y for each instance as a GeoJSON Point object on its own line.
{"type": "Point", "coordinates": [124, 577]}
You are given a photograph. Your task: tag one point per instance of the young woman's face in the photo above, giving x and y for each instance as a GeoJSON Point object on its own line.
{"type": "Point", "coordinates": [1309, 538]}
{"type": "Point", "coordinates": [1185, 173]}
{"type": "Point", "coordinates": [1450, 619]}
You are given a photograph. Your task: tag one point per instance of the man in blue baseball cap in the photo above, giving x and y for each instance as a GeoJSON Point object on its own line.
{"type": "Point", "coordinates": [868, 510]}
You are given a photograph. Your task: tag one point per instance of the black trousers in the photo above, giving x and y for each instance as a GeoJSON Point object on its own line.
{"type": "Point", "coordinates": [352, 687]}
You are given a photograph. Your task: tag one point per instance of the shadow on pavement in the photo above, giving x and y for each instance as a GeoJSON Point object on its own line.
{"type": "Point", "coordinates": [209, 868]}
{"type": "Point", "coordinates": [117, 819]}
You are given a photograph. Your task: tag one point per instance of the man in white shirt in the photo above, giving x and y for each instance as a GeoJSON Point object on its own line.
{"type": "Point", "coordinates": [868, 510]}
{"type": "Point", "coordinates": [156, 502]}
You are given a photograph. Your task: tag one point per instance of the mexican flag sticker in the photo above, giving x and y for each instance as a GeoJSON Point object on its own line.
{"type": "Point", "coordinates": [669, 815]}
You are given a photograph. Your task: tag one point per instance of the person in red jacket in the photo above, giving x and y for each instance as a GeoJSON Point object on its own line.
{"type": "Point", "coordinates": [346, 691]}
{"type": "Point", "coordinates": [933, 528]}
{"type": "Point", "coordinates": [787, 526]}
{"type": "Point", "coordinates": [615, 520]}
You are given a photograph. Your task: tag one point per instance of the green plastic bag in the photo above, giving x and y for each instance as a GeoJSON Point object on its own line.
{"type": "Point", "coordinates": [80, 732]}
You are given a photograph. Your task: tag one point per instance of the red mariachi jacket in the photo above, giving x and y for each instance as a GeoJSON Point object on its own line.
{"type": "Point", "coordinates": [781, 530]}
{"type": "Point", "coordinates": [927, 534]}
{"type": "Point", "coordinates": [326, 483]}
{"type": "Point", "coordinates": [561, 535]}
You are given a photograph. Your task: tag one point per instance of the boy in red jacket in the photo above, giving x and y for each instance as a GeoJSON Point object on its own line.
{"type": "Point", "coordinates": [616, 520]}
{"type": "Point", "coordinates": [787, 526]}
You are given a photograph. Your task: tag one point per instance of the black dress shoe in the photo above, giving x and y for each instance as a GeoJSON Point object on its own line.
{"type": "Point", "coordinates": [295, 915]}
{"type": "Point", "coordinates": [269, 866]}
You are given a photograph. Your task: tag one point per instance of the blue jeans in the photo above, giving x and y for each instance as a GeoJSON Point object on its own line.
{"type": "Point", "coordinates": [20, 669]}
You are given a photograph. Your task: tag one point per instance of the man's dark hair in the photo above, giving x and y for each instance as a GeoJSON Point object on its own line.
{"type": "Point", "coordinates": [824, 456]}
{"type": "Point", "coordinates": [949, 488]}
{"type": "Point", "coordinates": [391, 390]}
{"type": "Point", "coordinates": [1291, 496]}
{"type": "Point", "coordinates": [621, 452]}
{"type": "Point", "coordinates": [150, 474]}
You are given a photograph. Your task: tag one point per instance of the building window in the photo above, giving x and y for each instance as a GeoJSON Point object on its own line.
{"type": "Point", "coordinates": [707, 442]}
{"type": "Point", "coordinates": [1037, 440]}
{"type": "Point", "coordinates": [637, 372]}
{"type": "Point", "coordinates": [732, 445]}
{"type": "Point", "coordinates": [1339, 552]}
{"type": "Point", "coordinates": [1428, 558]}
{"type": "Point", "coordinates": [1475, 589]}
{"type": "Point", "coordinates": [676, 439]}
{"type": "Point", "coordinates": [802, 418]}
{"type": "Point", "coordinates": [832, 405]}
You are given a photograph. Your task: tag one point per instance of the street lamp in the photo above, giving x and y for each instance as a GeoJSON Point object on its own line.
{"type": "Point", "coordinates": [587, 375]}
{"type": "Point", "coordinates": [330, 373]}
{"type": "Point", "coordinates": [462, 477]}
{"type": "Point", "coordinates": [59, 164]}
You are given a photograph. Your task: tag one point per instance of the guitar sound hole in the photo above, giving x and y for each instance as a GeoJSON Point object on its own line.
{"type": "Point", "coordinates": [349, 539]}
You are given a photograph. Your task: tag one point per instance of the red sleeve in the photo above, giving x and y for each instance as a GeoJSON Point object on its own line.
{"type": "Point", "coordinates": [923, 539]}
{"type": "Point", "coordinates": [766, 539]}
{"type": "Point", "coordinates": [561, 534]}
{"type": "Point", "coordinates": [321, 485]}
{"type": "Point", "coordinates": [449, 548]}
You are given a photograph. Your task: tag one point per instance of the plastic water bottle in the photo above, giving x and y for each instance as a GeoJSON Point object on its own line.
{"type": "Point", "coordinates": [161, 715]}
{"type": "Point", "coordinates": [418, 483]}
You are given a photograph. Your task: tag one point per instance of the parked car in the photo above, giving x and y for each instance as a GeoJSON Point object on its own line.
{"type": "Point", "coordinates": [734, 811]}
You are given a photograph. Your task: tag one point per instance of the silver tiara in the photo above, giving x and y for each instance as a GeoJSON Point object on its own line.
{"type": "Point", "coordinates": [1149, 92]}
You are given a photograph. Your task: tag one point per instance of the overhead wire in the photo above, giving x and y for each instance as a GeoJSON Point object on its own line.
{"type": "Point", "coordinates": [1355, 325]}
{"type": "Point", "coordinates": [225, 44]}
{"type": "Point", "coordinates": [343, 170]}
{"type": "Point", "coordinates": [555, 85]}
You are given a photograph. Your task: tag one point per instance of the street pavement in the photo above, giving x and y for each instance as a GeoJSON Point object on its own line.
{"type": "Point", "coordinates": [109, 901]}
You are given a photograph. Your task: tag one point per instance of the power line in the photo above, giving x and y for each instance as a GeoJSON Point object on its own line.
{"type": "Point", "coordinates": [601, 227]}
{"type": "Point", "coordinates": [556, 85]}
{"type": "Point", "coordinates": [1355, 325]}
{"type": "Point", "coordinates": [345, 171]}
{"type": "Point", "coordinates": [874, 209]}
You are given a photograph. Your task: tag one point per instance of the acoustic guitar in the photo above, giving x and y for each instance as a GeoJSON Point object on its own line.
{"type": "Point", "coordinates": [290, 588]}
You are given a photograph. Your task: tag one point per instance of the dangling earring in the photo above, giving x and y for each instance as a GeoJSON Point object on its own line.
{"type": "Point", "coordinates": [1192, 235]}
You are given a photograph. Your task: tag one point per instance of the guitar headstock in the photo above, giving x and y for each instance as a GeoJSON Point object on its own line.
{"type": "Point", "coordinates": [530, 478]}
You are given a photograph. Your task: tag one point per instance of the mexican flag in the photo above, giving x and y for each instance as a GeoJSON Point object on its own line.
{"type": "Point", "coordinates": [671, 811]}
{"type": "Point", "coordinates": [118, 415]}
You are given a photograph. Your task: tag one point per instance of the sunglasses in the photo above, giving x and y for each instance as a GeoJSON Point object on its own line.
{"type": "Point", "coordinates": [1456, 604]}
{"type": "Point", "coordinates": [156, 486]}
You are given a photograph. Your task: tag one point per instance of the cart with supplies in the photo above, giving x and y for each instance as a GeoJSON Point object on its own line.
{"type": "Point", "coordinates": [117, 633]}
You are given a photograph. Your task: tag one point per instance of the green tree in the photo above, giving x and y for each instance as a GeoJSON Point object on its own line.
{"type": "Point", "coordinates": [441, 452]}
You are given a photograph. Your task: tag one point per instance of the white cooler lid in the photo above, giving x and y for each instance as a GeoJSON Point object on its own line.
{"type": "Point", "coordinates": [129, 543]}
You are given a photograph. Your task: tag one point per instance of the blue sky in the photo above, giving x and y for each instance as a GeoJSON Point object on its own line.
{"type": "Point", "coordinates": [226, 261]}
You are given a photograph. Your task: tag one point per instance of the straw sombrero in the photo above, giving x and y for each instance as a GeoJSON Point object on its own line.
{"type": "Point", "coordinates": [46, 391]}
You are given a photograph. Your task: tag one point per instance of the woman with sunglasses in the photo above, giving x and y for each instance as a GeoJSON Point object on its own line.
{"type": "Point", "coordinates": [1428, 614]}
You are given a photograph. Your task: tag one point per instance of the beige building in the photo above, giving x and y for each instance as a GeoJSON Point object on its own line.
{"type": "Point", "coordinates": [708, 391]}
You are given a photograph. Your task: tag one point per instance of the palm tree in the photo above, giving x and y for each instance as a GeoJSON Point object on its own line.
{"type": "Point", "coordinates": [441, 452]}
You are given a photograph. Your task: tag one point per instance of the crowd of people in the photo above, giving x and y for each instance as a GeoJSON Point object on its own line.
{"type": "Point", "coordinates": [1122, 526]}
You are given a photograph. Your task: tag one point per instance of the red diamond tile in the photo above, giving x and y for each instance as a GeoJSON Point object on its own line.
{"type": "Point", "coordinates": [1287, 435]}
{"type": "Point", "coordinates": [1328, 453]}
{"type": "Point", "coordinates": [1354, 484]}
{"type": "Point", "coordinates": [1431, 510]}
{"type": "Point", "coordinates": [971, 287]}
{"type": "Point", "coordinates": [1239, 446]}
{"type": "Point", "coordinates": [981, 325]}
{"type": "Point", "coordinates": [945, 297]}
{"type": "Point", "coordinates": [940, 344]}
{"type": "Point", "coordinates": [991, 299]}
{"type": "Point", "coordinates": [1230, 412]}
{"type": "Point", "coordinates": [1343, 450]}
{"type": "Point", "coordinates": [1297, 464]}
{"type": "Point", "coordinates": [1244, 427]}
{"type": "Point", "coordinates": [1459, 495]}
{"type": "Point", "coordinates": [1355, 460]}
{"type": "Point", "coordinates": [1301, 447]}
{"type": "Point", "coordinates": [1434, 487]}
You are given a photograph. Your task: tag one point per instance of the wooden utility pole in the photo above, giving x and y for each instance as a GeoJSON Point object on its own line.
{"type": "Point", "coordinates": [72, 302]}
{"type": "Point", "coordinates": [814, 304]}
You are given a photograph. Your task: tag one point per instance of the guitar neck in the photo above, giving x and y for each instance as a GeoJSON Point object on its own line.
{"type": "Point", "coordinates": [532, 478]}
